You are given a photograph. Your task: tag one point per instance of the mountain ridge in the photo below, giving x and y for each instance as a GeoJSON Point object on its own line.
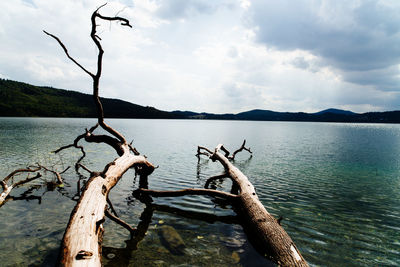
{"type": "Point", "coordinates": [18, 99]}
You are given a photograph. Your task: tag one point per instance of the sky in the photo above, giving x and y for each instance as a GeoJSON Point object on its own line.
{"type": "Point", "coordinates": [221, 56]}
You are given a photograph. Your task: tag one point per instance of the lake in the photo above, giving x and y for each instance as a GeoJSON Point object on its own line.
{"type": "Point", "coordinates": [337, 187]}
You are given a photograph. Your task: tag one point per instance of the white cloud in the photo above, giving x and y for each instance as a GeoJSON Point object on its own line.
{"type": "Point", "coordinates": [220, 56]}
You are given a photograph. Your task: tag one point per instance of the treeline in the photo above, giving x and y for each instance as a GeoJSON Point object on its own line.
{"type": "Point", "coordinates": [19, 99]}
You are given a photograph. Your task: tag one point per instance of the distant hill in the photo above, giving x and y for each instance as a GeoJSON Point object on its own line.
{"type": "Point", "coordinates": [19, 99]}
{"type": "Point", "coordinates": [335, 111]}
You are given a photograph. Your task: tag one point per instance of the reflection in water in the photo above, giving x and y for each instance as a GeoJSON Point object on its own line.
{"type": "Point", "coordinates": [335, 184]}
{"type": "Point", "coordinates": [122, 256]}
{"type": "Point", "coordinates": [131, 255]}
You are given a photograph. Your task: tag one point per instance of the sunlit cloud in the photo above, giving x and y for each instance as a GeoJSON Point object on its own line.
{"type": "Point", "coordinates": [214, 56]}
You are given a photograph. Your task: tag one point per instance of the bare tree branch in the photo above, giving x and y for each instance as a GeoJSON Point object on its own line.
{"type": "Point", "coordinates": [82, 238]}
{"type": "Point", "coordinates": [57, 174]}
{"type": "Point", "coordinates": [240, 149]}
{"type": "Point", "coordinates": [66, 52]}
{"type": "Point", "coordinates": [207, 152]}
{"type": "Point", "coordinates": [7, 188]}
{"type": "Point", "coordinates": [96, 78]}
{"type": "Point", "coordinates": [120, 222]}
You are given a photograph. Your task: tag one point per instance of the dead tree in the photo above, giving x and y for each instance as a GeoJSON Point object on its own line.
{"type": "Point", "coordinates": [81, 244]}
{"type": "Point", "coordinates": [7, 188]}
{"type": "Point", "coordinates": [263, 230]}
{"type": "Point", "coordinates": [4, 196]}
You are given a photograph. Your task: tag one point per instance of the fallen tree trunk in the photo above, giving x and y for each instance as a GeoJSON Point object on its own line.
{"type": "Point", "coordinates": [262, 229]}
{"type": "Point", "coordinates": [83, 235]}
{"type": "Point", "coordinates": [80, 245]}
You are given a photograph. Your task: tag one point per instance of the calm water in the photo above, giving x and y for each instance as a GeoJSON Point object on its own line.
{"type": "Point", "coordinates": [336, 185]}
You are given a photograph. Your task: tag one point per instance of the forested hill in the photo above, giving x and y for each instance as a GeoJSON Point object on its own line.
{"type": "Point", "coordinates": [19, 99]}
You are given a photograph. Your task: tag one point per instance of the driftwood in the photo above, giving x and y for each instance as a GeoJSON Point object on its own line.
{"type": "Point", "coordinates": [263, 230]}
{"type": "Point", "coordinates": [81, 245]}
{"type": "Point", "coordinates": [7, 188]}
{"type": "Point", "coordinates": [5, 195]}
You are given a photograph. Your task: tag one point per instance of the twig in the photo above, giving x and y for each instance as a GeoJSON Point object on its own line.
{"type": "Point", "coordinates": [85, 168]}
{"type": "Point", "coordinates": [58, 176]}
{"type": "Point", "coordinates": [112, 207]}
{"type": "Point", "coordinates": [120, 222]}
{"type": "Point", "coordinates": [66, 52]}
{"type": "Point", "coordinates": [240, 149]}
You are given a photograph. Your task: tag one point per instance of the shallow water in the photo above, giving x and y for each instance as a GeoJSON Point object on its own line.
{"type": "Point", "coordinates": [336, 185]}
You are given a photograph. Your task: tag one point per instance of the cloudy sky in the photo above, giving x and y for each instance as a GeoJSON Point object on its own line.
{"type": "Point", "coordinates": [217, 56]}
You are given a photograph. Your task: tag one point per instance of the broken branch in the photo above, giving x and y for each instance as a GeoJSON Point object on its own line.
{"type": "Point", "coordinates": [120, 222]}
{"type": "Point", "coordinates": [7, 188]}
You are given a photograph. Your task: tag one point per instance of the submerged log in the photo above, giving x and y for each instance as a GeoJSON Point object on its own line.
{"type": "Point", "coordinates": [83, 236]}
{"type": "Point", "coordinates": [262, 229]}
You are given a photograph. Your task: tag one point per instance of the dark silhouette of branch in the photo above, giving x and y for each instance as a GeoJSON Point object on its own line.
{"type": "Point", "coordinates": [75, 144]}
{"type": "Point", "coordinates": [240, 149]}
{"type": "Point", "coordinates": [189, 191]}
{"type": "Point", "coordinates": [213, 178]}
{"type": "Point", "coordinates": [96, 77]}
{"type": "Point", "coordinates": [201, 216]}
{"type": "Point", "coordinates": [57, 174]}
{"type": "Point", "coordinates": [88, 215]}
{"type": "Point", "coordinates": [120, 222]}
{"type": "Point", "coordinates": [66, 52]}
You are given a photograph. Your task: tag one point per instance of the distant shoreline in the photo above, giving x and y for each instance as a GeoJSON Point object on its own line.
{"type": "Point", "coordinates": [19, 99]}
{"type": "Point", "coordinates": [191, 119]}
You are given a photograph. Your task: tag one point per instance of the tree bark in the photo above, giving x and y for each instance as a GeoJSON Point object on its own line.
{"type": "Point", "coordinates": [80, 245]}
{"type": "Point", "coordinates": [83, 236]}
{"type": "Point", "coordinates": [262, 229]}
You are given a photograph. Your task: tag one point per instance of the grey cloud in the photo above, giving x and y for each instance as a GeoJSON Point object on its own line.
{"type": "Point", "coordinates": [246, 97]}
{"type": "Point", "coordinates": [176, 9]}
{"type": "Point", "coordinates": [388, 79]}
{"type": "Point", "coordinates": [360, 38]}
{"type": "Point", "coordinates": [300, 62]}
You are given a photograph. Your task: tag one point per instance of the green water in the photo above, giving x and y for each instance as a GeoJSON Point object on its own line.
{"type": "Point", "coordinates": [336, 185]}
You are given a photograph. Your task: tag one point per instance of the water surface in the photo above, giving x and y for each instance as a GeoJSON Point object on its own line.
{"type": "Point", "coordinates": [336, 185]}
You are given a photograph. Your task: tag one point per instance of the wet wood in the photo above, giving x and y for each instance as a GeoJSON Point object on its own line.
{"type": "Point", "coordinates": [81, 244]}
{"type": "Point", "coordinates": [83, 236]}
{"type": "Point", "coordinates": [263, 230]}
{"type": "Point", "coordinates": [7, 188]}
